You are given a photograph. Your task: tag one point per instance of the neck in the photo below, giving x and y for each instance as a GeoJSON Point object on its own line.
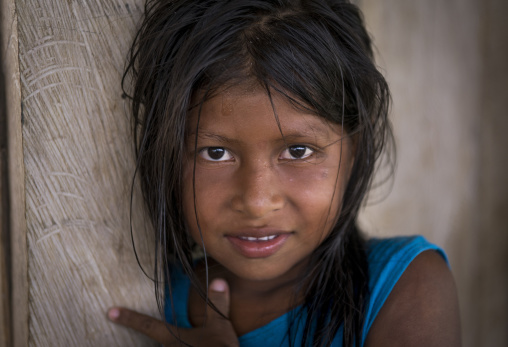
{"type": "Point", "coordinates": [259, 288]}
{"type": "Point", "coordinates": [253, 303]}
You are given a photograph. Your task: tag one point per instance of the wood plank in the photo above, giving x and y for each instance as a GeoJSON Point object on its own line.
{"type": "Point", "coordinates": [5, 254]}
{"type": "Point", "coordinates": [5, 283]}
{"type": "Point", "coordinates": [18, 296]}
{"type": "Point", "coordinates": [79, 163]}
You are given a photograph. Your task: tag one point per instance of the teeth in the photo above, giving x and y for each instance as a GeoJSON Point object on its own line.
{"type": "Point", "coordinates": [265, 238]}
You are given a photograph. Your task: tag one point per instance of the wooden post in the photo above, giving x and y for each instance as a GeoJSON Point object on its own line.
{"type": "Point", "coordinates": [70, 171]}
{"type": "Point", "coordinates": [14, 289]}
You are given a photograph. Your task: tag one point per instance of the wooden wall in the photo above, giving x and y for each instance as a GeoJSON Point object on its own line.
{"type": "Point", "coordinates": [78, 165]}
{"type": "Point", "coordinates": [70, 161]}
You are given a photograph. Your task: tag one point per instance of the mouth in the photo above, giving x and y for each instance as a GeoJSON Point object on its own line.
{"type": "Point", "coordinates": [259, 243]}
{"type": "Point", "coordinates": [264, 238]}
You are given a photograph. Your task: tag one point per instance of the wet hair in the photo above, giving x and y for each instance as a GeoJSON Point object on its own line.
{"type": "Point", "coordinates": [318, 55]}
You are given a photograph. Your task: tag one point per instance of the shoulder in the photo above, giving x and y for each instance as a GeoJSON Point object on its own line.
{"type": "Point", "coordinates": [418, 306]}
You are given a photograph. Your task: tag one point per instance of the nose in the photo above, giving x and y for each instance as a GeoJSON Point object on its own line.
{"type": "Point", "coordinates": [259, 191]}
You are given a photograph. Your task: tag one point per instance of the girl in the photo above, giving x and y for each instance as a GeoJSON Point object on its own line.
{"type": "Point", "coordinates": [258, 126]}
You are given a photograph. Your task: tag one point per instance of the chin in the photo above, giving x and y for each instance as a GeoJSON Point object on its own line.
{"type": "Point", "coordinates": [259, 273]}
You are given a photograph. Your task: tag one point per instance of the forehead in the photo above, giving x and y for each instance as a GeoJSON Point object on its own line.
{"type": "Point", "coordinates": [251, 106]}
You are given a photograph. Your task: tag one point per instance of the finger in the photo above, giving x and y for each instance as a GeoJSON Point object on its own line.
{"type": "Point", "coordinates": [149, 326]}
{"type": "Point", "coordinates": [218, 292]}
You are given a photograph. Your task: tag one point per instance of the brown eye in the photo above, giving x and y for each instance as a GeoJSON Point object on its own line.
{"type": "Point", "coordinates": [297, 152]}
{"type": "Point", "coordinates": [215, 154]}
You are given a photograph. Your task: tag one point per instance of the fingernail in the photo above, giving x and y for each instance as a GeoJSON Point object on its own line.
{"type": "Point", "coordinates": [114, 313]}
{"type": "Point", "coordinates": [218, 286]}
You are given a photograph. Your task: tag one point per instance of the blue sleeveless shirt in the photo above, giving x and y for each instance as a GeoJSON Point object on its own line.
{"type": "Point", "coordinates": [387, 260]}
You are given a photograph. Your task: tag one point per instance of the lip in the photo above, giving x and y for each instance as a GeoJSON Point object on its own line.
{"type": "Point", "coordinates": [242, 242]}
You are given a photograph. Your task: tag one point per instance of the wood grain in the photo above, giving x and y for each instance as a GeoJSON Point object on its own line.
{"type": "Point", "coordinates": [5, 255]}
{"type": "Point", "coordinates": [18, 281]}
{"type": "Point", "coordinates": [79, 164]}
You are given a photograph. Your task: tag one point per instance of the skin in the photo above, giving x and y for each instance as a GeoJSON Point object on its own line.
{"type": "Point", "coordinates": [258, 185]}
{"type": "Point", "coordinates": [422, 309]}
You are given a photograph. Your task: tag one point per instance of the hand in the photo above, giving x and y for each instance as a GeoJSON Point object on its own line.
{"type": "Point", "coordinates": [218, 330]}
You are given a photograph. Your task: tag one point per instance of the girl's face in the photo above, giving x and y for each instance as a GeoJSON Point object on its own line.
{"type": "Point", "coordinates": [264, 201]}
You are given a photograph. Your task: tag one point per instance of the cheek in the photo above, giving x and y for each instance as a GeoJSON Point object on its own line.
{"type": "Point", "coordinates": [317, 194]}
{"type": "Point", "coordinates": [317, 183]}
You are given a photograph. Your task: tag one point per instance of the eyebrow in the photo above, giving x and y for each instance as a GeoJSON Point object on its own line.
{"type": "Point", "coordinates": [215, 137]}
{"type": "Point", "coordinates": [312, 132]}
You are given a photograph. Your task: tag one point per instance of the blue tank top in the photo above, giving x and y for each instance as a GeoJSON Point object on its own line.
{"type": "Point", "coordinates": [387, 260]}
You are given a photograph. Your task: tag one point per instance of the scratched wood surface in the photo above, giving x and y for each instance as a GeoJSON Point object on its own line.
{"type": "Point", "coordinates": [78, 165]}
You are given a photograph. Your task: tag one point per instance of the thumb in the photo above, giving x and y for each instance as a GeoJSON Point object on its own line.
{"type": "Point", "coordinates": [218, 292]}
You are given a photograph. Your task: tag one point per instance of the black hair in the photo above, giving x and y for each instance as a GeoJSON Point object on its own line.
{"type": "Point", "coordinates": [317, 54]}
